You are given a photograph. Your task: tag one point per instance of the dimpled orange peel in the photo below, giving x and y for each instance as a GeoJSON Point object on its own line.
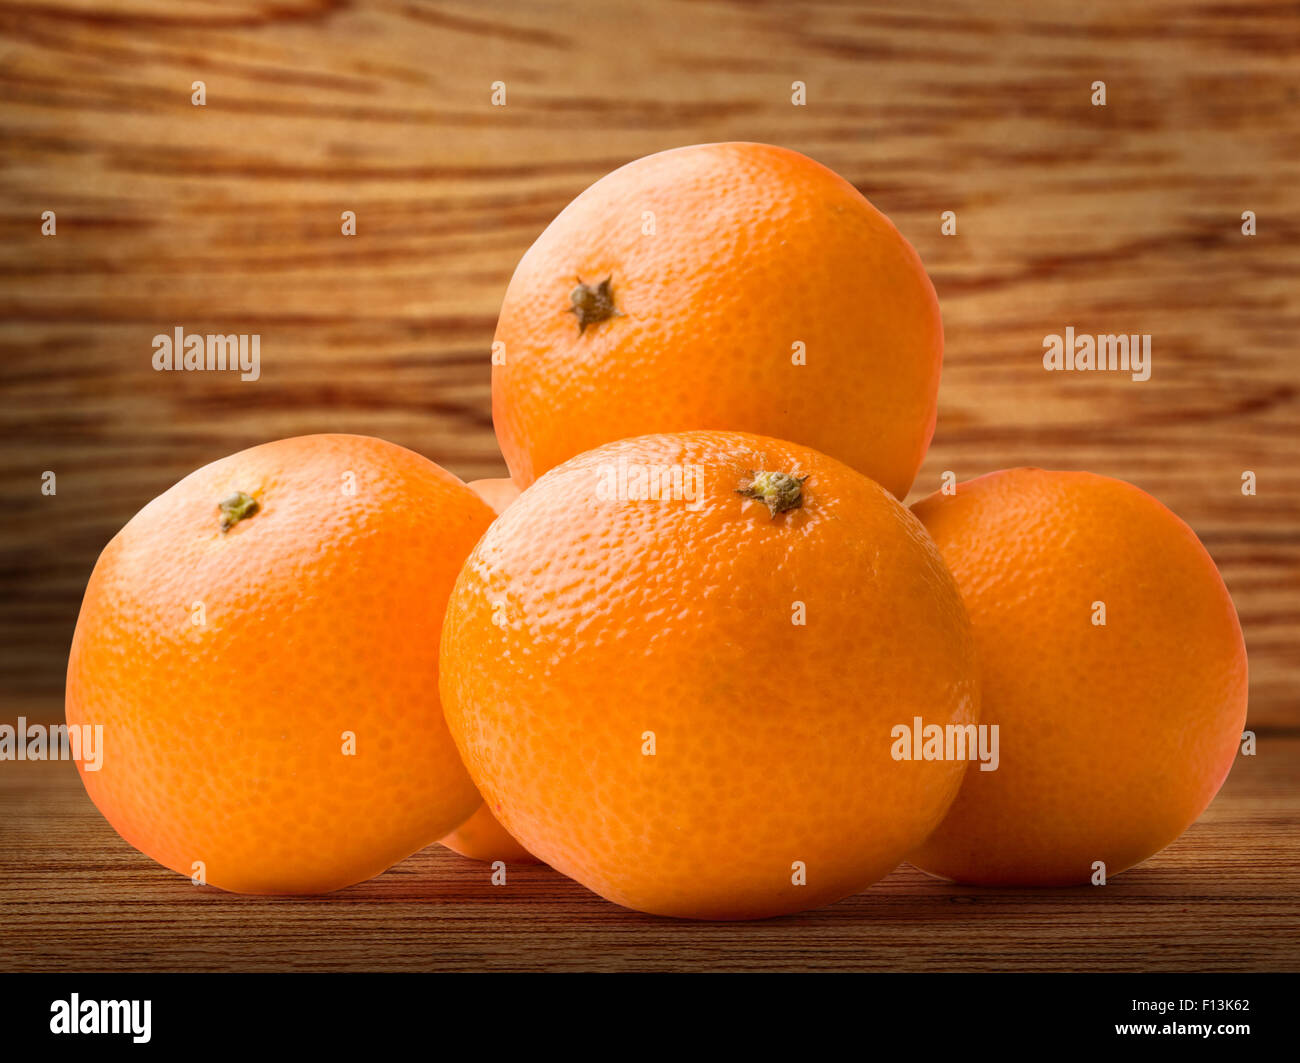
{"type": "Point", "coordinates": [260, 646]}
{"type": "Point", "coordinates": [720, 286]}
{"type": "Point", "coordinates": [1112, 662]}
{"type": "Point", "coordinates": [674, 665]}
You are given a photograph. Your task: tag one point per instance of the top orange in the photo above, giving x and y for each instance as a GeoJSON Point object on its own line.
{"type": "Point", "coordinates": [720, 286]}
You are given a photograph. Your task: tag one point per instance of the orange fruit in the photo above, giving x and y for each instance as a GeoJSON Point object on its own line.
{"type": "Point", "coordinates": [720, 286]}
{"type": "Point", "coordinates": [673, 667]}
{"type": "Point", "coordinates": [496, 492]}
{"type": "Point", "coordinates": [1114, 737]}
{"type": "Point", "coordinates": [481, 837]}
{"type": "Point", "coordinates": [260, 646]}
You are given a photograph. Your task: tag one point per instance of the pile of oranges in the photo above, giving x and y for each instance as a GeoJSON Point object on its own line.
{"type": "Point", "coordinates": [707, 663]}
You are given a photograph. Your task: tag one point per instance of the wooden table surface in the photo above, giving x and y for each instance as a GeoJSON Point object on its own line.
{"type": "Point", "coordinates": [226, 218]}
{"type": "Point", "coordinates": [74, 896]}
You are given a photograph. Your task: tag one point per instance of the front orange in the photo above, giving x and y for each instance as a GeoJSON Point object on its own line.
{"type": "Point", "coordinates": [1112, 663]}
{"type": "Point", "coordinates": [721, 286]}
{"type": "Point", "coordinates": [260, 646]}
{"type": "Point", "coordinates": [674, 667]}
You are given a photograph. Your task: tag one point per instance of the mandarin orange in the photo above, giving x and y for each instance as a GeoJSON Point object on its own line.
{"type": "Point", "coordinates": [720, 286]}
{"type": "Point", "coordinates": [1112, 663]}
{"type": "Point", "coordinates": [674, 666]}
{"type": "Point", "coordinates": [260, 646]}
{"type": "Point", "coordinates": [481, 837]}
{"type": "Point", "coordinates": [497, 492]}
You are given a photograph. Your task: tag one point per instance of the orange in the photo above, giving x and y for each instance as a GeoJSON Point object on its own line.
{"type": "Point", "coordinates": [260, 646]}
{"type": "Point", "coordinates": [674, 665]}
{"type": "Point", "coordinates": [481, 837]}
{"type": "Point", "coordinates": [1114, 737]}
{"type": "Point", "coordinates": [498, 493]}
{"type": "Point", "coordinates": [720, 286]}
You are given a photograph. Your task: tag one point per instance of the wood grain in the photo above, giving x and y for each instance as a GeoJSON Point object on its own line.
{"type": "Point", "coordinates": [225, 218]}
{"type": "Point", "coordinates": [77, 897]}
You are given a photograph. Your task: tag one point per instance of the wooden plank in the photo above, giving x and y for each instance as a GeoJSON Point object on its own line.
{"type": "Point", "coordinates": [77, 897]}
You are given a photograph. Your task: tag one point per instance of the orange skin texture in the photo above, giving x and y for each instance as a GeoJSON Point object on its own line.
{"type": "Point", "coordinates": [1113, 739]}
{"type": "Point", "coordinates": [224, 743]}
{"type": "Point", "coordinates": [580, 623]}
{"type": "Point", "coordinates": [481, 837]}
{"type": "Point", "coordinates": [755, 248]}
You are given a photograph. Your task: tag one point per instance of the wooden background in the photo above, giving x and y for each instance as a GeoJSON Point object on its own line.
{"type": "Point", "coordinates": [225, 218]}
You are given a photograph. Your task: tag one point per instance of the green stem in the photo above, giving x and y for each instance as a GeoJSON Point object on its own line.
{"type": "Point", "coordinates": [237, 507]}
{"type": "Point", "coordinates": [779, 491]}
